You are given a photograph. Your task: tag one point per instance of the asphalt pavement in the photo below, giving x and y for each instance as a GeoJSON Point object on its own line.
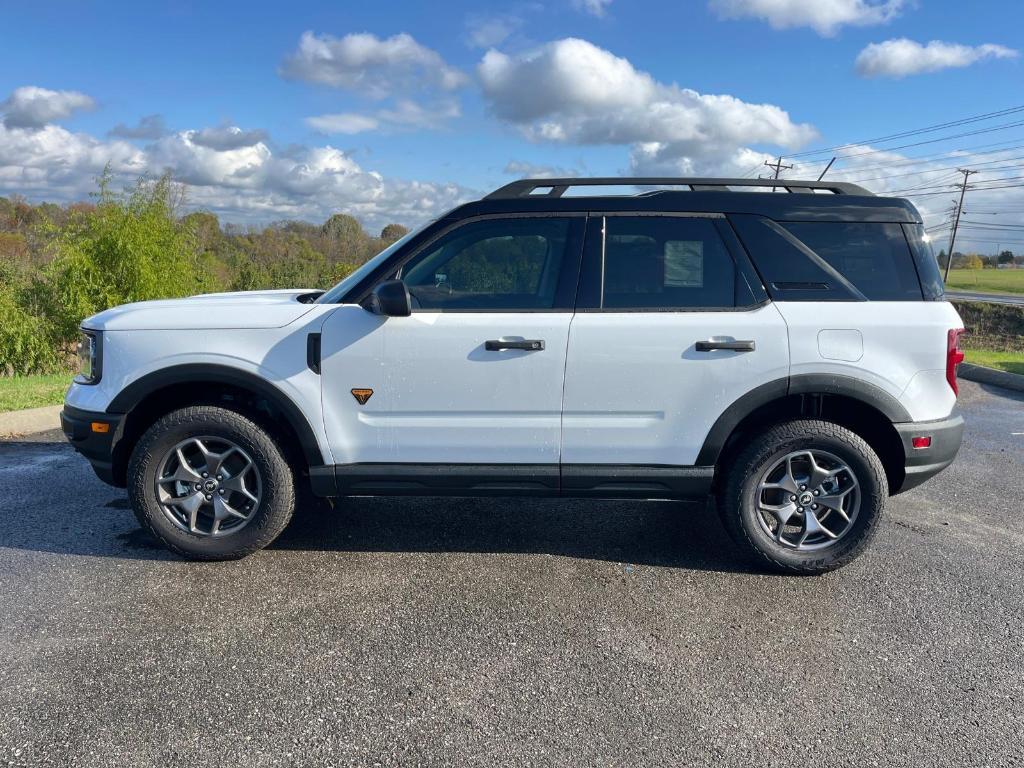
{"type": "Point", "coordinates": [514, 632]}
{"type": "Point", "coordinates": [992, 298]}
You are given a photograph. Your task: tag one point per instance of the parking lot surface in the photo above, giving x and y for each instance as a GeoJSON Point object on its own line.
{"type": "Point", "coordinates": [514, 632]}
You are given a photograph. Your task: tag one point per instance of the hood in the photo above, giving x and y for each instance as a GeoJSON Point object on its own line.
{"type": "Point", "coordinates": [211, 311]}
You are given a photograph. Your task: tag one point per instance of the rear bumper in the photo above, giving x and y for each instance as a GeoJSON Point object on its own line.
{"type": "Point", "coordinates": [922, 464]}
{"type": "Point", "coordinates": [97, 447]}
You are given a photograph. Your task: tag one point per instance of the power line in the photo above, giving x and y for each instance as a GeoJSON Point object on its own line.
{"type": "Point", "coordinates": [945, 168]}
{"type": "Point", "coordinates": [916, 131]}
{"type": "Point", "coordinates": [933, 141]}
{"type": "Point", "coordinates": [950, 153]}
{"type": "Point", "coordinates": [946, 191]}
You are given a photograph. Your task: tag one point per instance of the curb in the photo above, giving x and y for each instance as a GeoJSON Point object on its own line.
{"type": "Point", "coordinates": [985, 375]}
{"type": "Point", "coordinates": [15, 423]}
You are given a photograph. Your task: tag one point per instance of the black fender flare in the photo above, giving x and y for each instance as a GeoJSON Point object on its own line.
{"type": "Point", "coordinates": [190, 373]}
{"type": "Point", "coordinates": [801, 384]}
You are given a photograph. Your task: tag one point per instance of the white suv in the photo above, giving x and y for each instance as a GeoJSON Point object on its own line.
{"type": "Point", "coordinates": [790, 353]}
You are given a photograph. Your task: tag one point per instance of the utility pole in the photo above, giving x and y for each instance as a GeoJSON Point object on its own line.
{"type": "Point", "coordinates": [777, 166]}
{"type": "Point", "coordinates": [956, 221]}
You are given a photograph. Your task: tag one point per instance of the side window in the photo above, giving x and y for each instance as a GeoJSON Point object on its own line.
{"type": "Point", "coordinates": [668, 262]}
{"type": "Point", "coordinates": [497, 264]}
{"type": "Point", "coordinates": [874, 257]}
{"type": "Point", "coordinates": [790, 270]}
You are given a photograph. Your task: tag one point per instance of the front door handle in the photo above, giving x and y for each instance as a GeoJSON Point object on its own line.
{"type": "Point", "coordinates": [732, 346]}
{"type": "Point", "coordinates": [530, 345]}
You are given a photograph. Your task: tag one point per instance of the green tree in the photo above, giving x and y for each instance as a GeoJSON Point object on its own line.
{"type": "Point", "coordinates": [973, 261]}
{"type": "Point", "coordinates": [392, 232]}
{"type": "Point", "coordinates": [343, 228]}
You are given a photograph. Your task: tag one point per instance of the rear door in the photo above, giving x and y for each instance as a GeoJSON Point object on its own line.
{"type": "Point", "coordinates": [670, 330]}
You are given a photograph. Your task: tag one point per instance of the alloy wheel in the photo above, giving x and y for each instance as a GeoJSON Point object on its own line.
{"type": "Point", "coordinates": [208, 486]}
{"type": "Point", "coordinates": [808, 500]}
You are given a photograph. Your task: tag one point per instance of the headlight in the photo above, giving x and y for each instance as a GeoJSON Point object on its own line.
{"type": "Point", "coordinates": [90, 347]}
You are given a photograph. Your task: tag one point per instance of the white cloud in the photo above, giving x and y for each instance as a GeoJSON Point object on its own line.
{"type": "Point", "coordinates": [658, 159]}
{"type": "Point", "coordinates": [227, 137]}
{"type": "Point", "coordinates": [405, 114]}
{"type": "Point", "coordinates": [571, 91]}
{"type": "Point", "coordinates": [244, 183]}
{"type": "Point", "coordinates": [343, 122]}
{"type": "Point", "coordinates": [34, 107]}
{"type": "Point", "coordinates": [489, 31]}
{"type": "Point", "coordinates": [902, 57]}
{"type": "Point", "coordinates": [823, 16]}
{"type": "Point", "coordinates": [370, 65]}
{"type": "Point", "coordinates": [148, 127]}
{"type": "Point", "coordinates": [52, 162]}
{"type": "Point", "coordinates": [530, 170]}
{"type": "Point", "coordinates": [593, 7]}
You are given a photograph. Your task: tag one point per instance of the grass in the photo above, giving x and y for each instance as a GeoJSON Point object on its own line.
{"type": "Point", "coordinates": [987, 280]}
{"type": "Point", "coordinates": [19, 392]}
{"type": "Point", "coordinates": [1012, 362]}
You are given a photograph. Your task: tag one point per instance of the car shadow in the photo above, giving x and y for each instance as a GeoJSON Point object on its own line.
{"type": "Point", "coordinates": [99, 522]}
{"type": "Point", "coordinates": [659, 533]}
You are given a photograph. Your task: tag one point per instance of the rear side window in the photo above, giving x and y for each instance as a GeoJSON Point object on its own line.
{"type": "Point", "coordinates": [875, 257]}
{"type": "Point", "coordinates": [668, 262]}
{"type": "Point", "coordinates": [790, 270]}
{"type": "Point", "coordinates": [830, 260]}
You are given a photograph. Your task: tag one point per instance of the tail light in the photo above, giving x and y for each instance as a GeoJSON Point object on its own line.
{"type": "Point", "coordinates": [954, 356]}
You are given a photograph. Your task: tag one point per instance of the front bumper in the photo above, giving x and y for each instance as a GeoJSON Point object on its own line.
{"type": "Point", "coordinates": [96, 446]}
{"type": "Point", "coordinates": [922, 464]}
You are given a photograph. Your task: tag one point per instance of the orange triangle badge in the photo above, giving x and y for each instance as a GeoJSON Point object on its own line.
{"type": "Point", "coordinates": [362, 395]}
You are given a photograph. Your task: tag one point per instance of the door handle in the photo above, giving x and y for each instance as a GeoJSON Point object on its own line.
{"type": "Point", "coordinates": [530, 345]}
{"type": "Point", "coordinates": [732, 346]}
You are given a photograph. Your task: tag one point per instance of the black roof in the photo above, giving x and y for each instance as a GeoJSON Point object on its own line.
{"type": "Point", "coordinates": [782, 200]}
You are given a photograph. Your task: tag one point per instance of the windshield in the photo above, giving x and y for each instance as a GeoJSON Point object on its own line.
{"type": "Point", "coordinates": [332, 296]}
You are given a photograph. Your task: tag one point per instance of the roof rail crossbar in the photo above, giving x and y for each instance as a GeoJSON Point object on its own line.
{"type": "Point", "coordinates": [558, 187]}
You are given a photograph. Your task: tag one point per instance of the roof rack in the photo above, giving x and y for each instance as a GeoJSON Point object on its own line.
{"type": "Point", "coordinates": [557, 187]}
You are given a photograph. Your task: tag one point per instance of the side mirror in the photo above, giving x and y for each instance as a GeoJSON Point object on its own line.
{"type": "Point", "coordinates": [391, 298]}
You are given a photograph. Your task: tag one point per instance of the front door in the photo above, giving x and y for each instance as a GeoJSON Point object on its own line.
{"type": "Point", "coordinates": [474, 376]}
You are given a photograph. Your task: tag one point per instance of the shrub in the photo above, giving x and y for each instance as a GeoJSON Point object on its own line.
{"type": "Point", "coordinates": [130, 248]}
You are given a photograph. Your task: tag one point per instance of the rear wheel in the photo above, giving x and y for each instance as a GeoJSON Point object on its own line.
{"type": "Point", "coordinates": [210, 483]}
{"type": "Point", "coordinates": [804, 496]}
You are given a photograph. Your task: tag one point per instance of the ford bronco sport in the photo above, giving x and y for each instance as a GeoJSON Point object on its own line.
{"type": "Point", "coordinates": [782, 345]}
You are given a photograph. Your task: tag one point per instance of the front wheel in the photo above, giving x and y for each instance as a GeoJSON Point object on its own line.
{"type": "Point", "coordinates": [804, 497]}
{"type": "Point", "coordinates": [210, 484]}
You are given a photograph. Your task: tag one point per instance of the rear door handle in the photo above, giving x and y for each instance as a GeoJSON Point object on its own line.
{"type": "Point", "coordinates": [530, 345]}
{"type": "Point", "coordinates": [732, 346]}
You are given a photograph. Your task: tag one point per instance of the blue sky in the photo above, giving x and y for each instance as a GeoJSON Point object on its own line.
{"type": "Point", "coordinates": [471, 95]}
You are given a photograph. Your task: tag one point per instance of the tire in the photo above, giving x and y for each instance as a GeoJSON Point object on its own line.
{"type": "Point", "coordinates": [764, 460]}
{"type": "Point", "coordinates": [255, 468]}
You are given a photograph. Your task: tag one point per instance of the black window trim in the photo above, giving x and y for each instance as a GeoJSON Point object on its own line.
{"type": "Point", "coordinates": [570, 263]}
{"type": "Point", "coordinates": [741, 263]}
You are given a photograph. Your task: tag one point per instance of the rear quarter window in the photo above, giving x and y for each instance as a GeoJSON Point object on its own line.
{"type": "Point", "coordinates": [875, 257]}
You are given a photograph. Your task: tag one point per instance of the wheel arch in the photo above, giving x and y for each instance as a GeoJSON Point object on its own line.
{"type": "Point", "coordinates": [151, 396]}
{"type": "Point", "coordinates": [863, 408]}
